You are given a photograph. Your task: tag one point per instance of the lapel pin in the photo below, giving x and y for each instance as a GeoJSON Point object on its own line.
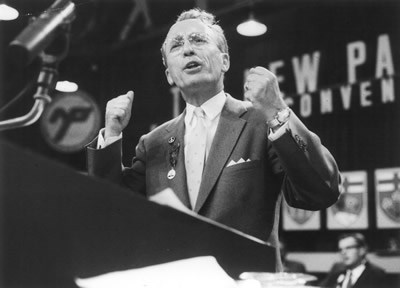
{"type": "Point", "coordinates": [173, 156]}
{"type": "Point", "coordinates": [171, 174]}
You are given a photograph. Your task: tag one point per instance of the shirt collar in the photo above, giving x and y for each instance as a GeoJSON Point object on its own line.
{"type": "Point", "coordinates": [358, 270]}
{"type": "Point", "coordinates": [212, 107]}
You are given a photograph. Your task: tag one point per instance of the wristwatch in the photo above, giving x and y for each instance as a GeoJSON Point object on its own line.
{"type": "Point", "coordinates": [280, 118]}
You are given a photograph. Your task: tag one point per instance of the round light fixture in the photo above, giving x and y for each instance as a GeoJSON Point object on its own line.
{"type": "Point", "coordinates": [7, 13]}
{"type": "Point", "coordinates": [251, 28]}
{"type": "Point", "coordinates": [66, 86]}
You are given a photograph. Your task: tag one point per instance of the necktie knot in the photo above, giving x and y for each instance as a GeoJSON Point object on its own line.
{"type": "Point", "coordinates": [198, 118]}
{"type": "Point", "coordinates": [199, 113]}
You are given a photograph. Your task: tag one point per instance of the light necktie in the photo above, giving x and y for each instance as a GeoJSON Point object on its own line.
{"type": "Point", "coordinates": [348, 278]}
{"type": "Point", "coordinates": [195, 154]}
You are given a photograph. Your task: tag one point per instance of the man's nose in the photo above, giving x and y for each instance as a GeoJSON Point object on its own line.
{"type": "Point", "coordinates": [187, 48]}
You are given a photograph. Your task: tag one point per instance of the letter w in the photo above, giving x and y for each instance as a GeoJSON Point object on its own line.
{"type": "Point", "coordinates": [306, 72]}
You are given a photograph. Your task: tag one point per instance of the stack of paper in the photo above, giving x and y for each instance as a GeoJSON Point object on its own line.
{"type": "Point", "coordinates": [198, 272]}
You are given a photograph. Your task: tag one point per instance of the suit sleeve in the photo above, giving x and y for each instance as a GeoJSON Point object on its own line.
{"type": "Point", "coordinates": [333, 278]}
{"type": "Point", "coordinates": [311, 180]}
{"type": "Point", "coordinates": [106, 163]}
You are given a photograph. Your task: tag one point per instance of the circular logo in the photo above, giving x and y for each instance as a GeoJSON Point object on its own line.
{"type": "Point", "coordinates": [70, 121]}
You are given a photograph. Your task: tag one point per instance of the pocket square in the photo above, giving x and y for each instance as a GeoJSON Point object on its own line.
{"type": "Point", "coordinates": [241, 160]}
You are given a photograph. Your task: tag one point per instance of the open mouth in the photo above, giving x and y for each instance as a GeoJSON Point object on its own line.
{"type": "Point", "coordinates": [192, 65]}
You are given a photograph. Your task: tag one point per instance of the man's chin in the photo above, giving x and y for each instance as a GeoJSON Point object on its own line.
{"type": "Point", "coordinates": [347, 263]}
{"type": "Point", "coordinates": [197, 83]}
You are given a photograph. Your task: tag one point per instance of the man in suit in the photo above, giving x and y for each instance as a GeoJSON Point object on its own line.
{"type": "Point", "coordinates": [355, 271]}
{"type": "Point", "coordinates": [249, 151]}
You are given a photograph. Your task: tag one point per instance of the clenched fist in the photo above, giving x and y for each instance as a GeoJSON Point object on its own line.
{"type": "Point", "coordinates": [262, 90]}
{"type": "Point", "coordinates": [118, 113]}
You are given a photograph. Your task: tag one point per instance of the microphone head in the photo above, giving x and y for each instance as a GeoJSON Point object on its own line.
{"type": "Point", "coordinates": [42, 31]}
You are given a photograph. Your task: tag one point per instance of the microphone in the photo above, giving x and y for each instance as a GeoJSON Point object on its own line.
{"type": "Point", "coordinates": [41, 32]}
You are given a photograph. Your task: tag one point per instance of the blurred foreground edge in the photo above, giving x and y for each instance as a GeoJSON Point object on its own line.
{"type": "Point", "coordinates": [59, 224]}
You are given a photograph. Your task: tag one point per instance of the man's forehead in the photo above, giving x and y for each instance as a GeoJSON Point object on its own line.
{"type": "Point", "coordinates": [186, 27]}
{"type": "Point", "coordinates": [347, 241]}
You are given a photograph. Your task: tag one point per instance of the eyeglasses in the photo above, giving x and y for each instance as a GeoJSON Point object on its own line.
{"type": "Point", "coordinates": [197, 40]}
{"type": "Point", "coordinates": [342, 249]}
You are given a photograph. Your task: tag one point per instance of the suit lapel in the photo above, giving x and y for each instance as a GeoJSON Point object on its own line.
{"type": "Point", "coordinates": [228, 131]}
{"type": "Point", "coordinates": [363, 280]}
{"type": "Point", "coordinates": [178, 183]}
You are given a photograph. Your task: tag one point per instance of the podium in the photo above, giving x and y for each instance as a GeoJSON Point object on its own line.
{"type": "Point", "coordinates": [59, 224]}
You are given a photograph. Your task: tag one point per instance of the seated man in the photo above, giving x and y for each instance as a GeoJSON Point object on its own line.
{"type": "Point", "coordinates": [355, 271]}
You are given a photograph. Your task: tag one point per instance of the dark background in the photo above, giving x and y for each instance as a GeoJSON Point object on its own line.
{"type": "Point", "coordinates": [361, 138]}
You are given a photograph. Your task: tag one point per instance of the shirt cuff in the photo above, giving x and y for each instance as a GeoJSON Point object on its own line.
{"type": "Point", "coordinates": [278, 133]}
{"type": "Point", "coordinates": [102, 143]}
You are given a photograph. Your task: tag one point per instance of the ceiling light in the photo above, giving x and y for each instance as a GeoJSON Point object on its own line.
{"type": "Point", "coordinates": [7, 13]}
{"type": "Point", "coordinates": [66, 86]}
{"type": "Point", "coordinates": [251, 27]}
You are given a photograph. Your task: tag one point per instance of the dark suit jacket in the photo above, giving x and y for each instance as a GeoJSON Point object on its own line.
{"type": "Point", "coordinates": [245, 196]}
{"type": "Point", "coordinates": [372, 277]}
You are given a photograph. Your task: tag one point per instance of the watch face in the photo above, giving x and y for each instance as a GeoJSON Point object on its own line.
{"type": "Point", "coordinates": [273, 123]}
{"type": "Point", "coordinates": [283, 115]}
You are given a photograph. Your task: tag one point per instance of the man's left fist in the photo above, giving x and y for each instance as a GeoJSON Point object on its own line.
{"type": "Point", "coordinates": [262, 90]}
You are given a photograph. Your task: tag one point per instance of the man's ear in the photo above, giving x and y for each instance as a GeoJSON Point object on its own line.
{"type": "Point", "coordinates": [169, 78]}
{"type": "Point", "coordinates": [225, 62]}
{"type": "Point", "coordinates": [363, 251]}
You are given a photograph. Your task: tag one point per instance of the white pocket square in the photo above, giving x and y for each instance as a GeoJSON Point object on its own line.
{"type": "Point", "coordinates": [241, 160]}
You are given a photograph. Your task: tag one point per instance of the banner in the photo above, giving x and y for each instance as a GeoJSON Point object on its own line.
{"type": "Point", "coordinates": [299, 219]}
{"type": "Point", "coordinates": [387, 187]}
{"type": "Point", "coordinates": [351, 210]}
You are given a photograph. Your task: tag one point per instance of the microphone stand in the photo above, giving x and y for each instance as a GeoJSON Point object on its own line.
{"type": "Point", "coordinates": [46, 83]}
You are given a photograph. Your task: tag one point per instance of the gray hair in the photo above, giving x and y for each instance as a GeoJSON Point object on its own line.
{"type": "Point", "coordinates": [209, 20]}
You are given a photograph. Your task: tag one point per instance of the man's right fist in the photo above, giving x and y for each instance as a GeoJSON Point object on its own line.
{"type": "Point", "coordinates": [118, 113]}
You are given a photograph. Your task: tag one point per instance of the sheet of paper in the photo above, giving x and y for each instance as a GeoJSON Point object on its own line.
{"type": "Point", "coordinates": [168, 197]}
{"type": "Point", "coordinates": [198, 272]}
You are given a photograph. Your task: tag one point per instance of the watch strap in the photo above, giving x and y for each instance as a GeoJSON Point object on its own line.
{"type": "Point", "coordinates": [281, 117]}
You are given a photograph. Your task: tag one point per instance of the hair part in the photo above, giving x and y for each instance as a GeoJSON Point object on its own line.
{"type": "Point", "coordinates": [209, 20]}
